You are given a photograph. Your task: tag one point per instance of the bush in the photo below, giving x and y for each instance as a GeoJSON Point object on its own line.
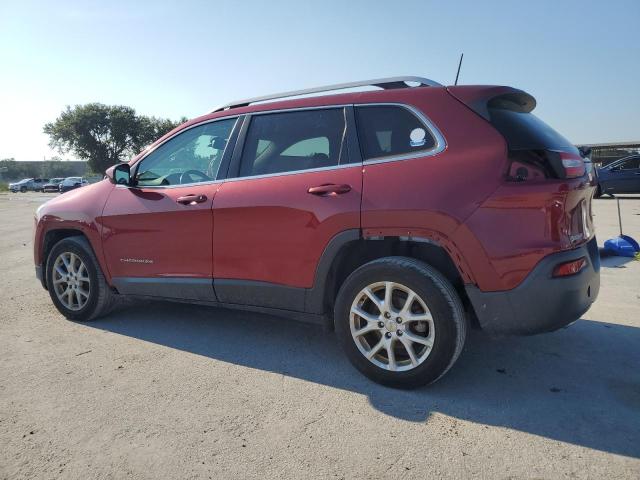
{"type": "Point", "coordinates": [4, 187]}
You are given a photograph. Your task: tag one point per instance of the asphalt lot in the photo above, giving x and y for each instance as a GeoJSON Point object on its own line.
{"type": "Point", "coordinates": [165, 390]}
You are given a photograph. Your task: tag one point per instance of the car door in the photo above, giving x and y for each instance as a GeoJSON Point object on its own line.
{"type": "Point", "coordinates": [625, 176]}
{"type": "Point", "coordinates": [293, 186]}
{"type": "Point", "coordinates": [157, 234]}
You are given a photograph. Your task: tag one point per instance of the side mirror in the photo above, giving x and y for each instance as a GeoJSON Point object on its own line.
{"type": "Point", "coordinates": [119, 174]}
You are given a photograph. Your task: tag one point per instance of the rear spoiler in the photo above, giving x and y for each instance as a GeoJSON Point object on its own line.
{"type": "Point", "coordinates": [480, 98]}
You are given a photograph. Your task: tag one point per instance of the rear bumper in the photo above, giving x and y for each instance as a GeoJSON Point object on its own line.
{"type": "Point", "coordinates": [541, 303]}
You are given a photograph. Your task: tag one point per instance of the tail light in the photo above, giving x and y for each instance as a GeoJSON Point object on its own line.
{"type": "Point", "coordinates": [532, 165]}
{"type": "Point", "coordinates": [573, 165]}
{"type": "Point", "coordinates": [569, 268]}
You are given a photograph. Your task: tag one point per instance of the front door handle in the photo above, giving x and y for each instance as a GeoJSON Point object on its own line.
{"type": "Point", "coordinates": [191, 199]}
{"type": "Point", "coordinates": [329, 189]}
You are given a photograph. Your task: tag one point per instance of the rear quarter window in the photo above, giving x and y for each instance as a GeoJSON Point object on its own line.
{"type": "Point", "coordinates": [388, 130]}
{"type": "Point", "coordinates": [525, 131]}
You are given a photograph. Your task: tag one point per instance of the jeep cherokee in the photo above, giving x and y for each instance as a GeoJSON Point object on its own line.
{"type": "Point", "coordinates": [398, 216]}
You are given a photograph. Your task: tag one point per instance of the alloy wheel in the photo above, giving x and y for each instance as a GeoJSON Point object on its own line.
{"type": "Point", "coordinates": [392, 326]}
{"type": "Point", "coordinates": [71, 281]}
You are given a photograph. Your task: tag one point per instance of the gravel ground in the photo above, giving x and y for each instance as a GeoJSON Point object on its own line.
{"type": "Point", "coordinates": [164, 390]}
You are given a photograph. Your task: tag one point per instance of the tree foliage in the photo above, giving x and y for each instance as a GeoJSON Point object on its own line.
{"type": "Point", "coordinates": [105, 134]}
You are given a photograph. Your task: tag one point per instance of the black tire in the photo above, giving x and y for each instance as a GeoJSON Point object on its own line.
{"type": "Point", "coordinates": [598, 192]}
{"type": "Point", "coordinates": [23, 189]}
{"type": "Point", "coordinates": [439, 296]}
{"type": "Point", "coordinates": [101, 299]}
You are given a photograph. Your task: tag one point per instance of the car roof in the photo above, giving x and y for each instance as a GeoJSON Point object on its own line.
{"type": "Point", "coordinates": [394, 95]}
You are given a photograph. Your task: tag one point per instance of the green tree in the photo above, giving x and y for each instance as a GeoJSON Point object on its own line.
{"type": "Point", "coordinates": [105, 134]}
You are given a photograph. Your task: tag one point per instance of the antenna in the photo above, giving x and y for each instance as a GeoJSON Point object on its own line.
{"type": "Point", "coordinates": [459, 65]}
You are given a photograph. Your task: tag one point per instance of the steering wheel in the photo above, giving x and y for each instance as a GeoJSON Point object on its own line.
{"type": "Point", "coordinates": [193, 172]}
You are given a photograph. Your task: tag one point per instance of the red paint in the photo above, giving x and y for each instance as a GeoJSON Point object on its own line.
{"type": "Point", "coordinates": [151, 224]}
{"type": "Point", "coordinates": [272, 229]}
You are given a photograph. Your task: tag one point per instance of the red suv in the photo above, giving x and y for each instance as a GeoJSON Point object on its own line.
{"type": "Point", "coordinates": [399, 216]}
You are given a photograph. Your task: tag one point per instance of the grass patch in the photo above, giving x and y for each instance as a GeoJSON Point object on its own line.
{"type": "Point", "coordinates": [4, 187]}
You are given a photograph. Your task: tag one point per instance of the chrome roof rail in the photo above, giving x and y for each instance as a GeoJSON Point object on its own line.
{"type": "Point", "coordinates": [384, 83]}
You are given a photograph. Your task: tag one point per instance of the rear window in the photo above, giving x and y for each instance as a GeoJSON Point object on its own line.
{"type": "Point", "coordinates": [525, 131]}
{"type": "Point", "coordinates": [391, 130]}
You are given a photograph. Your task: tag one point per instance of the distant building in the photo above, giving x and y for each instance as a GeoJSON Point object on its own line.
{"type": "Point", "coordinates": [605, 153]}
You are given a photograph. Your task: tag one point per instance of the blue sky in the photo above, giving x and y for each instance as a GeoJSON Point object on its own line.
{"type": "Point", "coordinates": [580, 59]}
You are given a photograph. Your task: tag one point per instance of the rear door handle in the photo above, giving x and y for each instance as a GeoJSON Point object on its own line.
{"type": "Point", "coordinates": [191, 199]}
{"type": "Point", "coordinates": [329, 189]}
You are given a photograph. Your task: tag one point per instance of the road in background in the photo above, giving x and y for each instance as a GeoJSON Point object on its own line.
{"type": "Point", "coordinates": [165, 390]}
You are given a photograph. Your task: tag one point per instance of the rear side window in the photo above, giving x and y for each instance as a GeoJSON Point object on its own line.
{"type": "Point", "coordinates": [388, 130]}
{"type": "Point", "coordinates": [630, 164]}
{"type": "Point", "coordinates": [292, 141]}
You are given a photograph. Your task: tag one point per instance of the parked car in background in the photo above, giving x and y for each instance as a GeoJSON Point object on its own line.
{"type": "Point", "coordinates": [53, 185]}
{"type": "Point", "coordinates": [70, 183]}
{"type": "Point", "coordinates": [398, 217]}
{"type": "Point", "coordinates": [621, 176]}
{"type": "Point", "coordinates": [28, 185]}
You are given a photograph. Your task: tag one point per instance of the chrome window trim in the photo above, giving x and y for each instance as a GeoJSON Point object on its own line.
{"type": "Point", "coordinates": [295, 172]}
{"type": "Point", "coordinates": [439, 146]}
{"type": "Point", "coordinates": [208, 182]}
{"type": "Point", "coordinates": [295, 109]}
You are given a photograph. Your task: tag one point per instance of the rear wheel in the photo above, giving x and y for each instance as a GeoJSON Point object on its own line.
{"type": "Point", "coordinates": [400, 322]}
{"type": "Point", "coordinates": [75, 282]}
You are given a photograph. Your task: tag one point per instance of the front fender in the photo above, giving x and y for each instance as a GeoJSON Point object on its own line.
{"type": "Point", "coordinates": [78, 210]}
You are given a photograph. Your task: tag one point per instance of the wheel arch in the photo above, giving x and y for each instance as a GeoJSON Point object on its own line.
{"type": "Point", "coordinates": [349, 250]}
{"type": "Point", "coordinates": [53, 236]}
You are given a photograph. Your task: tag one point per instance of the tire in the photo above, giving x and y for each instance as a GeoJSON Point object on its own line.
{"type": "Point", "coordinates": [100, 299]}
{"type": "Point", "coordinates": [23, 189]}
{"type": "Point", "coordinates": [598, 192]}
{"type": "Point", "coordinates": [446, 329]}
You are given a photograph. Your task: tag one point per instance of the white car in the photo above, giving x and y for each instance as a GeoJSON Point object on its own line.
{"type": "Point", "coordinates": [70, 183]}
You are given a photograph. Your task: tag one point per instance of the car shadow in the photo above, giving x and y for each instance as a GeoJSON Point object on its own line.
{"type": "Point", "coordinates": [611, 260]}
{"type": "Point", "coordinates": [579, 385]}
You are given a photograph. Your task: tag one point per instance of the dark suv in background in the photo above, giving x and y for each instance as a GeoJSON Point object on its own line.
{"type": "Point", "coordinates": [621, 176]}
{"type": "Point", "coordinates": [399, 217]}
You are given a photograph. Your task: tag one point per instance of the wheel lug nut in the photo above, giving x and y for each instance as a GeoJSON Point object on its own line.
{"type": "Point", "coordinates": [388, 334]}
{"type": "Point", "coordinates": [399, 332]}
{"type": "Point", "coordinates": [398, 320]}
{"type": "Point", "coordinates": [387, 315]}
{"type": "Point", "coordinates": [381, 324]}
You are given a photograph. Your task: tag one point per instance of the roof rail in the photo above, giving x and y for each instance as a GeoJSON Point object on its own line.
{"type": "Point", "coordinates": [384, 83]}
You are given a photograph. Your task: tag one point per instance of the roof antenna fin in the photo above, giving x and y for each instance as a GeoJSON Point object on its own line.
{"type": "Point", "coordinates": [459, 65]}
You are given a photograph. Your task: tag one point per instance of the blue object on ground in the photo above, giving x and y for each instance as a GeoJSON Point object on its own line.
{"type": "Point", "coordinates": [622, 246]}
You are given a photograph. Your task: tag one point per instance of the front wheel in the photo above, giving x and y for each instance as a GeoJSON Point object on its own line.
{"type": "Point", "coordinates": [400, 322]}
{"type": "Point", "coordinates": [75, 282]}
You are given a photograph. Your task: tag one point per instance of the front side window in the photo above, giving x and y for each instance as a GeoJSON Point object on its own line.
{"type": "Point", "coordinates": [389, 130]}
{"type": "Point", "coordinates": [292, 141]}
{"type": "Point", "coordinates": [192, 156]}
